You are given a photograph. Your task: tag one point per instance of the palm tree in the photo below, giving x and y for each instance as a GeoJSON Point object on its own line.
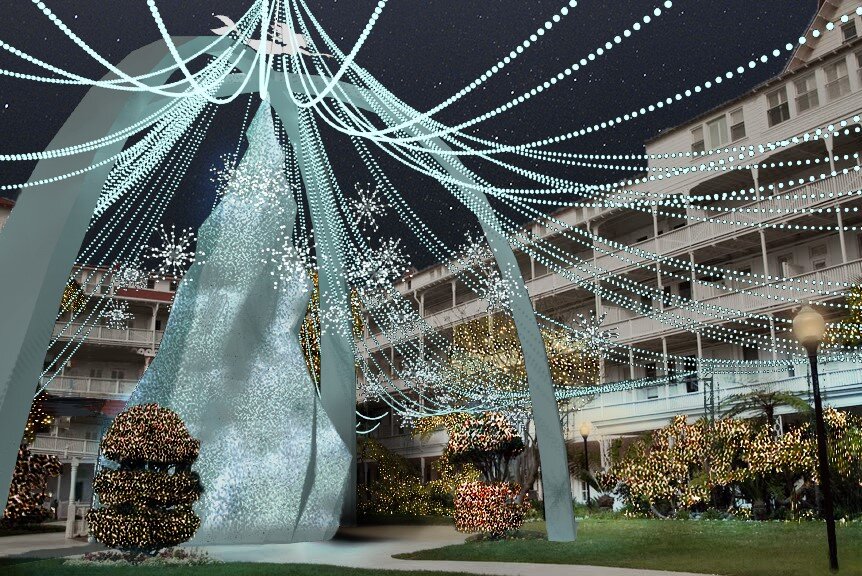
{"type": "Point", "coordinates": [761, 404]}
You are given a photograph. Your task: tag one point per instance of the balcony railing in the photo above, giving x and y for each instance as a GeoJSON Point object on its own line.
{"type": "Point", "coordinates": [841, 384]}
{"type": "Point", "coordinates": [138, 336]}
{"type": "Point", "coordinates": [91, 387]}
{"type": "Point", "coordinates": [65, 447]}
{"type": "Point", "coordinates": [765, 298]}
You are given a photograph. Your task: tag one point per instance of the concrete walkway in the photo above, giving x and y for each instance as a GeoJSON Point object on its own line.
{"type": "Point", "coordinates": [373, 547]}
{"type": "Point", "coordinates": [366, 547]}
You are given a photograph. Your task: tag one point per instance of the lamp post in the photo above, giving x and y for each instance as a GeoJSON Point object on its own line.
{"type": "Point", "coordinates": [586, 427]}
{"type": "Point", "coordinates": [808, 327]}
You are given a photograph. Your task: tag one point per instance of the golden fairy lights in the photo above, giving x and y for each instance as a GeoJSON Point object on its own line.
{"type": "Point", "coordinates": [694, 466]}
{"type": "Point", "coordinates": [146, 504]}
{"type": "Point", "coordinates": [29, 489]}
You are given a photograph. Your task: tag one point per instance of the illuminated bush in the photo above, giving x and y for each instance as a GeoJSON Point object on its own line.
{"type": "Point", "coordinates": [489, 507]}
{"type": "Point", "coordinates": [29, 489]}
{"type": "Point", "coordinates": [146, 504]}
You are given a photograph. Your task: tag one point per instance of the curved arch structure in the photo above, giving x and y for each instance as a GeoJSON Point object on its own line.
{"type": "Point", "coordinates": [61, 211]}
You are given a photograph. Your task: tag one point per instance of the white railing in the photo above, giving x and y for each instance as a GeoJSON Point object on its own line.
{"type": "Point", "coordinates": [91, 387]}
{"type": "Point", "coordinates": [66, 446]}
{"type": "Point", "coordinates": [765, 298]}
{"type": "Point", "coordinates": [106, 334]}
{"type": "Point", "coordinates": [841, 384]}
{"type": "Point", "coordinates": [768, 210]}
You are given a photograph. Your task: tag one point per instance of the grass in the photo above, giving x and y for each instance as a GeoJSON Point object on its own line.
{"type": "Point", "coordinates": [731, 548]}
{"type": "Point", "coordinates": [35, 529]}
{"type": "Point", "coordinates": [56, 567]}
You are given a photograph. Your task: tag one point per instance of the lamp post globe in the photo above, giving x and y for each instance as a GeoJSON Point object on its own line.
{"type": "Point", "coordinates": [809, 328]}
{"type": "Point", "coordinates": [586, 428]}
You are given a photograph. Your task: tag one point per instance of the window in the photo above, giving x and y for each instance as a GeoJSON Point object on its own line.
{"type": "Point", "coordinates": [95, 372]}
{"type": "Point", "coordinates": [685, 290]}
{"type": "Point", "coordinates": [750, 354]}
{"type": "Point", "coordinates": [737, 125]}
{"type": "Point", "coordinates": [818, 256]}
{"type": "Point", "coordinates": [848, 30]}
{"type": "Point", "coordinates": [158, 324]}
{"type": "Point", "coordinates": [717, 130]}
{"type": "Point", "coordinates": [785, 265]}
{"type": "Point", "coordinates": [650, 370]}
{"type": "Point", "coordinates": [666, 297]}
{"type": "Point", "coordinates": [151, 283]}
{"type": "Point", "coordinates": [646, 300]}
{"type": "Point", "coordinates": [652, 392]}
{"type": "Point", "coordinates": [697, 145]}
{"type": "Point", "coordinates": [777, 108]}
{"type": "Point", "coordinates": [174, 284]}
{"type": "Point", "coordinates": [690, 366]}
{"type": "Point", "coordinates": [806, 93]}
{"type": "Point", "coordinates": [117, 375]}
{"type": "Point", "coordinates": [859, 65]}
{"type": "Point", "coordinates": [837, 81]}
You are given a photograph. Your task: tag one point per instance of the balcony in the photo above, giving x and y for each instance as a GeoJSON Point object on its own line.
{"type": "Point", "coordinates": [768, 210]}
{"type": "Point", "coordinates": [764, 298]}
{"type": "Point", "coordinates": [619, 413]}
{"type": "Point", "coordinates": [90, 387]}
{"type": "Point", "coordinates": [65, 447]}
{"type": "Point", "coordinates": [106, 335]}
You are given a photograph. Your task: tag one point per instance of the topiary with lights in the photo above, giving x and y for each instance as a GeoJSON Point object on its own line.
{"type": "Point", "coordinates": [29, 489]}
{"type": "Point", "coordinates": [490, 443]}
{"type": "Point", "coordinates": [146, 503]}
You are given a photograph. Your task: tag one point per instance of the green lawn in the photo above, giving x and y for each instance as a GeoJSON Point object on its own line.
{"type": "Point", "coordinates": [729, 548]}
{"type": "Point", "coordinates": [56, 568]}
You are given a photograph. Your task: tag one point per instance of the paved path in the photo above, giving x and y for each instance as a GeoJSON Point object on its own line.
{"type": "Point", "coordinates": [46, 545]}
{"type": "Point", "coordinates": [367, 547]}
{"type": "Point", "coordinates": [373, 547]}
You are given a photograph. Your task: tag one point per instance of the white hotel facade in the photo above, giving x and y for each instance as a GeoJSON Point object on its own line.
{"type": "Point", "coordinates": [820, 87]}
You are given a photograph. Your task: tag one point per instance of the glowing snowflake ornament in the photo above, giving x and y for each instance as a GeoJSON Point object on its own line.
{"type": "Point", "coordinates": [291, 263]}
{"type": "Point", "coordinates": [379, 268]}
{"type": "Point", "coordinates": [366, 208]}
{"type": "Point", "coordinates": [130, 277]}
{"type": "Point", "coordinates": [175, 255]}
{"type": "Point", "coordinates": [116, 315]}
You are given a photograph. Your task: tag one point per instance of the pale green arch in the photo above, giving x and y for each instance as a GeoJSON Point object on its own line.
{"type": "Point", "coordinates": [46, 228]}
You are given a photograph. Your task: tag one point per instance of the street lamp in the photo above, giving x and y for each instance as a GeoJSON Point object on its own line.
{"type": "Point", "coordinates": [586, 427]}
{"type": "Point", "coordinates": [808, 327]}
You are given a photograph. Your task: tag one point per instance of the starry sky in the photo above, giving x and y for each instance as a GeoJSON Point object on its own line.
{"type": "Point", "coordinates": [423, 51]}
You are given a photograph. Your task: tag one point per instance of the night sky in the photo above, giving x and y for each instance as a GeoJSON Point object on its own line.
{"type": "Point", "coordinates": [423, 51]}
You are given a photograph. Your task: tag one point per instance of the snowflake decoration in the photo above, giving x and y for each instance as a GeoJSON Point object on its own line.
{"type": "Point", "coordinates": [262, 181]}
{"type": "Point", "coordinates": [421, 373]}
{"type": "Point", "coordinates": [590, 328]}
{"type": "Point", "coordinates": [379, 268]}
{"type": "Point", "coordinates": [476, 254]}
{"type": "Point", "coordinates": [291, 264]}
{"type": "Point", "coordinates": [392, 311]}
{"type": "Point", "coordinates": [116, 314]}
{"type": "Point", "coordinates": [366, 208]}
{"type": "Point", "coordinates": [174, 256]}
{"type": "Point", "coordinates": [131, 277]}
{"type": "Point", "coordinates": [371, 386]}
{"type": "Point", "coordinates": [336, 319]}
{"type": "Point", "coordinates": [495, 291]}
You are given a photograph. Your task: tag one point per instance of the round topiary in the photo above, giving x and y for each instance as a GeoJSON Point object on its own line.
{"type": "Point", "coordinates": [152, 434]}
